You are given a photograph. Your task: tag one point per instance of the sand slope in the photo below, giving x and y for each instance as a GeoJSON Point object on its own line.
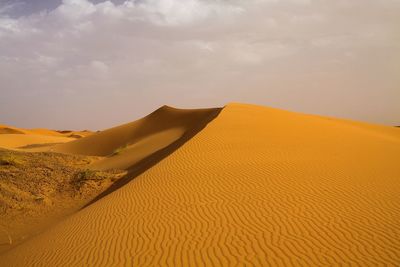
{"type": "Point", "coordinates": [6, 129]}
{"type": "Point", "coordinates": [32, 139]}
{"type": "Point", "coordinates": [256, 187]}
{"type": "Point", "coordinates": [37, 189]}
{"type": "Point", "coordinates": [10, 130]}
{"type": "Point", "coordinates": [128, 144]}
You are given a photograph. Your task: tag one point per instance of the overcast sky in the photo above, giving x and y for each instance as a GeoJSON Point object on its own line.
{"type": "Point", "coordinates": [95, 64]}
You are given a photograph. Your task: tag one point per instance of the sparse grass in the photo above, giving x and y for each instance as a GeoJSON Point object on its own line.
{"type": "Point", "coordinates": [92, 178]}
{"type": "Point", "coordinates": [82, 176]}
{"type": "Point", "coordinates": [35, 186]}
{"type": "Point", "coordinates": [10, 160]}
{"type": "Point", "coordinates": [38, 198]}
{"type": "Point", "coordinates": [119, 150]}
{"type": "Point", "coordinates": [86, 176]}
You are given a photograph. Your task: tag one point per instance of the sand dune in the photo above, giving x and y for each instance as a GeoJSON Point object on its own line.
{"type": "Point", "coordinates": [255, 187]}
{"type": "Point", "coordinates": [126, 145]}
{"type": "Point", "coordinates": [10, 130]}
{"type": "Point", "coordinates": [28, 140]}
{"type": "Point", "coordinates": [32, 139]}
{"type": "Point", "coordinates": [6, 129]}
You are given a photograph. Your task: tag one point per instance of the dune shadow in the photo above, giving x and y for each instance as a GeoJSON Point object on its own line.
{"type": "Point", "coordinates": [151, 160]}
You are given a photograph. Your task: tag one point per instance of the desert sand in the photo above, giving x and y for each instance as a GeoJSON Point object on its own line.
{"type": "Point", "coordinates": [38, 189]}
{"type": "Point", "coordinates": [130, 143]}
{"type": "Point", "coordinates": [241, 186]}
{"type": "Point", "coordinates": [14, 138]}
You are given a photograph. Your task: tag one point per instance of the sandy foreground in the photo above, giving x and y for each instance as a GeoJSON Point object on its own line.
{"type": "Point", "coordinates": [241, 186]}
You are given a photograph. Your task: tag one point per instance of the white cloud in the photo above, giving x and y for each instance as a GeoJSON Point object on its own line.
{"type": "Point", "coordinates": [174, 12]}
{"type": "Point", "coordinates": [203, 45]}
{"type": "Point", "coordinates": [47, 60]}
{"type": "Point", "coordinates": [75, 9]}
{"type": "Point", "coordinates": [9, 25]}
{"type": "Point", "coordinates": [99, 66]}
{"type": "Point", "coordinates": [109, 9]}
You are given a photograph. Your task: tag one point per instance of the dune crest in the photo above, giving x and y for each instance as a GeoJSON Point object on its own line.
{"type": "Point", "coordinates": [125, 145]}
{"type": "Point", "coordinates": [9, 130]}
{"type": "Point", "coordinates": [256, 187]}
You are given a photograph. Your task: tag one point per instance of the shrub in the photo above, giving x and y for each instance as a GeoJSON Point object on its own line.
{"type": "Point", "coordinates": [119, 150]}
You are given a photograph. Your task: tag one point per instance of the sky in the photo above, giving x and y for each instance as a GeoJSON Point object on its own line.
{"type": "Point", "coordinates": [79, 64]}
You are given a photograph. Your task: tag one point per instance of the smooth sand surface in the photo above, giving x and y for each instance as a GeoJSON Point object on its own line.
{"type": "Point", "coordinates": [11, 141]}
{"type": "Point", "coordinates": [6, 129]}
{"type": "Point", "coordinates": [256, 187]}
{"type": "Point", "coordinates": [35, 139]}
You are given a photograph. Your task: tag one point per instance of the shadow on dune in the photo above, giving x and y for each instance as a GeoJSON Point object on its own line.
{"type": "Point", "coordinates": [146, 163]}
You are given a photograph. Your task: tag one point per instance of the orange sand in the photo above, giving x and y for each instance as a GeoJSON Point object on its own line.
{"type": "Point", "coordinates": [12, 141]}
{"type": "Point", "coordinates": [128, 144]}
{"type": "Point", "coordinates": [256, 187]}
{"type": "Point", "coordinates": [12, 137]}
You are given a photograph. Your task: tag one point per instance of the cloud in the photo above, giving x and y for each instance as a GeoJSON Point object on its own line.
{"type": "Point", "coordinates": [144, 53]}
{"type": "Point", "coordinates": [99, 66]}
{"type": "Point", "coordinates": [8, 26]}
{"type": "Point", "coordinates": [75, 9]}
{"type": "Point", "coordinates": [6, 7]}
{"type": "Point", "coordinates": [173, 12]}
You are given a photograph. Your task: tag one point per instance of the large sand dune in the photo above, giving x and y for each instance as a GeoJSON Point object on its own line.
{"type": "Point", "coordinates": [255, 187]}
{"type": "Point", "coordinates": [128, 144]}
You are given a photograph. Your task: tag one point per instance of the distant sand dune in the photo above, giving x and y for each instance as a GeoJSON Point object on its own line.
{"type": "Point", "coordinates": [22, 140]}
{"type": "Point", "coordinates": [12, 137]}
{"type": "Point", "coordinates": [256, 187]}
{"type": "Point", "coordinates": [7, 130]}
